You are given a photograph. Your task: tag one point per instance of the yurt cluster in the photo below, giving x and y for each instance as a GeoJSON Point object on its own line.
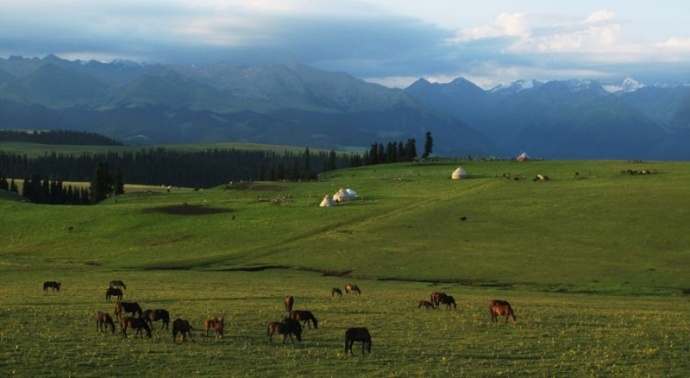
{"type": "Point", "coordinates": [343, 195]}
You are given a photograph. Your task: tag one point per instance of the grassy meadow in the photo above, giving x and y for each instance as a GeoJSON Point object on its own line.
{"type": "Point", "coordinates": [594, 262]}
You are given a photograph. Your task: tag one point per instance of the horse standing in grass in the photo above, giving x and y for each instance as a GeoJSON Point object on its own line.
{"type": "Point", "coordinates": [306, 317]}
{"type": "Point", "coordinates": [287, 327]}
{"type": "Point", "coordinates": [125, 307]}
{"type": "Point", "coordinates": [151, 316]}
{"type": "Point", "coordinates": [118, 284]}
{"type": "Point", "coordinates": [134, 323]}
{"type": "Point", "coordinates": [498, 308]}
{"type": "Point", "coordinates": [103, 321]}
{"type": "Point", "coordinates": [352, 288]}
{"type": "Point", "coordinates": [449, 301]}
{"type": "Point", "coordinates": [357, 334]}
{"type": "Point", "coordinates": [289, 301]}
{"type": "Point", "coordinates": [216, 324]}
{"type": "Point", "coordinates": [182, 327]}
{"type": "Point", "coordinates": [436, 298]}
{"type": "Point", "coordinates": [113, 292]}
{"type": "Point", "coordinates": [425, 304]}
{"type": "Point", "coordinates": [335, 291]}
{"type": "Point", "coordinates": [52, 285]}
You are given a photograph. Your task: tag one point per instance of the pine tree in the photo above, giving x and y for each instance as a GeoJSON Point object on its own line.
{"type": "Point", "coordinates": [101, 184]}
{"type": "Point", "coordinates": [428, 145]}
{"type": "Point", "coordinates": [119, 183]}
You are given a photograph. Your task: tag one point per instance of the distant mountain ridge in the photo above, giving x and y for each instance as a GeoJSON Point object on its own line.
{"type": "Point", "coordinates": [296, 104]}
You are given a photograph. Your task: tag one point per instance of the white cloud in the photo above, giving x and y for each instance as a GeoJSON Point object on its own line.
{"type": "Point", "coordinates": [506, 24]}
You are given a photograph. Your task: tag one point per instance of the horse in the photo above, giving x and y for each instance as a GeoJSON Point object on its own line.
{"type": "Point", "coordinates": [357, 334]}
{"type": "Point", "coordinates": [351, 287]}
{"type": "Point", "coordinates": [217, 324]}
{"type": "Point", "coordinates": [182, 327]}
{"type": "Point", "coordinates": [125, 307]}
{"type": "Point", "coordinates": [111, 291]}
{"type": "Point", "coordinates": [118, 283]}
{"type": "Point", "coordinates": [52, 285]}
{"type": "Point", "coordinates": [425, 304]}
{"type": "Point", "coordinates": [289, 301]}
{"type": "Point", "coordinates": [287, 327]}
{"type": "Point", "coordinates": [306, 317]}
{"type": "Point", "coordinates": [103, 321]}
{"type": "Point", "coordinates": [448, 300]}
{"type": "Point", "coordinates": [135, 323]}
{"type": "Point", "coordinates": [436, 298]}
{"type": "Point", "coordinates": [151, 316]}
{"type": "Point", "coordinates": [335, 291]}
{"type": "Point", "coordinates": [498, 308]}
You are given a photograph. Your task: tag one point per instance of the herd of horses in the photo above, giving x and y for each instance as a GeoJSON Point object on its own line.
{"type": "Point", "coordinates": [293, 324]}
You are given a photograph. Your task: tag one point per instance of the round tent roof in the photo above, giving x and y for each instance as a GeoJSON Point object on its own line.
{"type": "Point", "coordinates": [459, 173]}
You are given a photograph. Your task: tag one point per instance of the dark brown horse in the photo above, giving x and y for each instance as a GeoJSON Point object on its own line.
{"type": "Point", "coordinates": [357, 334]}
{"type": "Point", "coordinates": [289, 301]}
{"type": "Point", "coordinates": [118, 283]}
{"type": "Point", "coordinates": [352, 288]}
{"type": "Point", "coordinates": [52, 285]}
{"type": "Point", "coordinates": [449, 301]}
{"type": "Point", "coordinates": [498, 308]}
{"type": "Point", "coordinates": [287, 327]}
{"type": "Point", "coordinates": [125, 307]}
{"type": "Point", "coordinates": [425, 304]}
{"type": "Point", "coordinates": [134, 323]}
{"type": "Point", "coordinates": [436, 298]}
{"type": "Point", "coordinates": [335, 291]}
{"type": "Point", "coordinates": [306, 317]}
{"type": "Point", "coordinates": [103, 321]}
{"type": "Point", "coordinates": [151, 316]}
{"type": "Point", "coordinates": [182, 327]}
{"type": "Point", "coordinates": [217, 324]}
{"type": "Point", "coordinates": [113, 292]}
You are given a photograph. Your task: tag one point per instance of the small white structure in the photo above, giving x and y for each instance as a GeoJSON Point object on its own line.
{"type": "Point", "coordinates": [327, 201]}
{"type": "Point", "coordinates": [523, 157]}
{"type": "Point", "coordinates": [459, 173]}
{"type": "Point", "coordinates": [344, 195]}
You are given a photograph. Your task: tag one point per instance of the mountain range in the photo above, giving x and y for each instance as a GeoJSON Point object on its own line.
{"type": "Point", "coordinates": [294, 104]}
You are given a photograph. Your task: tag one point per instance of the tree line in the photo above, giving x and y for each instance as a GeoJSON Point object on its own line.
{"type": "Point", "coordinates": [58, 137]}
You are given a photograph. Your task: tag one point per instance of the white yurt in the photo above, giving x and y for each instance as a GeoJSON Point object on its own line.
{"type": "Point", "coordinates": [327, 201]}
{"type": "Point", "coordinates": [342, 195]}
{"type": "Point", "coordinates": [459, 173]}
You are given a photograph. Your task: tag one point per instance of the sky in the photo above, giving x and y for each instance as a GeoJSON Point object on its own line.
{"type": "Point", "coordinates": [390, 42]}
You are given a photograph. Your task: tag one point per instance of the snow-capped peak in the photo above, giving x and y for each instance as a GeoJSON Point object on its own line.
{"type": "Point", "coordinates": [628, 85]}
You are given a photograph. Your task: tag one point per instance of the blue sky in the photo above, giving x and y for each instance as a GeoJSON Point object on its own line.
{"type": "Point", "coordinates": [391, 42]}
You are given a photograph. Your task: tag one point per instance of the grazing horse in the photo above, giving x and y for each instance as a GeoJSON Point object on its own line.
{"type": "Point", "coordinates": [118, 283]}
{"type": "Point", "coordinates": [306, 317]}
{"type": "Point", "coordinates": [134, 323]}
{"type": "Point", "coordinates": [425, 304]}
{"type": "Point", "coordinates": [448, 300]}
{"type": "Point", "coordinates": [287, 327]}
{"type": "Point", "coordinates": [182, 327]}
{"type": "Point", "coordinates": [436, 298]}
{"type": "Point", "coordinates": [335, 291]}
{"type": "Point", "coordinates": [351, 287]}
{"type": "Point", "coordinates": [498, 308]}
{"type": "Point", "coordinates": [216, 324]}
{"type": "Point", "coordinates": [357, 334]}
{"type": "Point", "coordinates": [289, 301]}
{"type": "Point", "coordinates": [113, 292]}
{"type": "Point", "coordinates": [52, 285]}
{"type": "Point", "coordinates": [125, 307]}
{"type": "Point", "coordinates": [151, 316]}
{"type": "Point", "coordinates": [103, 321]}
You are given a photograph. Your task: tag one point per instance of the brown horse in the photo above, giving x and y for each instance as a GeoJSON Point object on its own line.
{"type": "Point", "coordinates": [134, 323]}
{"type": "Point", "coordinates": [113, 292]}
{"type": "Point", "coordinates": [436, 298]}
{"type": "Point", "coordinates": [216, 324]}
{"type": "Point", "coordinates": [289, 301]}
{"type": "Point", "coordinates": [182, 327]}
{"type": "Point", "coordinates": [118, 283]}
{"type": "Point", "coordinates": [306, 317]}
{"type": "Point", "coordinates": [425, 304]}
{"type": "Point", "coordinates": [498, 308]}
{"type": "Point", "coordinates": [151, 316]}
{"type": "Point", "coordinates": [449, 301]}
{"type": "Point", "coordinates": [335, 291]}
{"type": "Point", "coordinates": [357, 334]}
{"type": "Point", "coordinates": [103, 321]}
{"type": "Point", "coordinates": [52, 285]}
{"type": "Point", "coordinates": [353, 288]}
{"type": "Point", "coordinates": [125, 307]}
{"type": "Point", "coordinates": [287, 327]}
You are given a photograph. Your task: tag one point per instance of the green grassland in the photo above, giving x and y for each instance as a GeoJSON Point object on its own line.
{"type": "Point", "coordinates": [595, 265]}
